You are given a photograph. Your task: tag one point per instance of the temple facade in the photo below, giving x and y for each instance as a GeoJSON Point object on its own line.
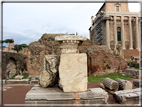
{"type": "Point", "coordinates": [114, 25]}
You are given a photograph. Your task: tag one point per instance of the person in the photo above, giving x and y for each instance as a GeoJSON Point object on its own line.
{"type": "Point", "coordinates": [132, 58]}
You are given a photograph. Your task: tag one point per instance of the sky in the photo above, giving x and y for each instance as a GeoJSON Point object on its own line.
{"type": "Point", "coordinates": [27, 22]}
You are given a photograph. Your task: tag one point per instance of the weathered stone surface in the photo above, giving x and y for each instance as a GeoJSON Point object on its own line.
{"type": "Point", "coordinates": [34, 82]}
{"type": "Point", "coordinates": [70, 37]}
{"type": "Point", "coordinates": [102, 86]}
{"type": "Point", "coordinates": [73, 72]}
{"type": "Point", "coordinates": [33, 77]}
{"type": "Point", "coordinates": [23, 81]}
{"type": "Point", "coordinates": [12, 63]}
{"type": "Point", "coordinates": [124, 84]}
{"type": "Point", "coordinates": [69, 43]}
{"type": "Point", "coordinates": [137, 82]}
{"type": "Point", "coordinates": [49, 73]}
{"type": "Point", "coordinates": [111, 84]}
{"type": "Point", "coordinates": [36, 51]}
{"type": "Point", "coordinates": [132, 72]}
{"type": "Point", "coordinates": [95, 93]}
{"type": "Point", "coordinates": [101, 59]}
{"type": "Point", "coordinates": [4, 82]}
{"type": "Point", "coordinates": [130, 96]}
{"type": "Point", "coordinates": [39, 95]}
{"type": "Point", "coordinates": [18, 77]}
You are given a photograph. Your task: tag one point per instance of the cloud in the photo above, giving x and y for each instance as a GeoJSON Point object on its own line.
{"type": "Point", "coordinates": [27, 22]}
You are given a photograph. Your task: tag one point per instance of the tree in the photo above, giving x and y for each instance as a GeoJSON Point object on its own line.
{"type": "Point", "coordinates": [24, 45]}
{"type": "Point", "coordinates": [8, 41]}
{"type": "Point", "coordinates": [17, 48]}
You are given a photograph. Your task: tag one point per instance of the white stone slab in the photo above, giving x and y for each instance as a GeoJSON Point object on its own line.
{"type": "Point", "coordinates": [13, 81]}
{"type": "Point", "coordinates": [73, 72]}
{"type": "Point", "coordinates": [70, 37]}
{"type": "Point", "coordinates": [97, 90]}
{"type": "Point", "coordinates": [19, 77]}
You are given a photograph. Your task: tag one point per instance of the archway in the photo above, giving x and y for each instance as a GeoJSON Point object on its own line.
{"type": "Point", "coordinates": [11, 68]}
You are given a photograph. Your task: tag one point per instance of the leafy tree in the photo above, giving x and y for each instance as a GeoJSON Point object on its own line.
{"type": "Point", "coordinates": [8, 41]}
{"type": "Point", "coordinates": [17, 48]}
{"type": "Point", "coordinates": [24, 45]}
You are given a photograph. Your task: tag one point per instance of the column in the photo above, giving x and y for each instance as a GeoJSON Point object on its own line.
{"type": "Point", "coordinates": [122, 33]}
{"type": "Point", "coordinates": [115, 32]}
{"type": "Point", "coordinates": [130, 34]}
{"type": "Point", "coordinates": [137, 35]}
{"type": "Point", "coordinates": [107, 34]}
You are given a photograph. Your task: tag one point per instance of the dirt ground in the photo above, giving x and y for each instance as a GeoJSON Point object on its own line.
{"type": "Point", "coordinates": [15, 94]}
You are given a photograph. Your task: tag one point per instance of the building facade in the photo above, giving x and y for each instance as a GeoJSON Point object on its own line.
{"type": "Point", "coordinates": [115, 25]}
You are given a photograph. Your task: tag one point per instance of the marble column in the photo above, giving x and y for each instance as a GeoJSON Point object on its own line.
{"type": "Point", "coordinates": [130, 34]}
{"type": "Point", "coordinates": [137, 35]}
{"type": "Point", "coordinates": [115, 33]}
{"type": "Point", "coordinates": [107, 34]}
{"type": "Point", "coordinates": [122, 33]}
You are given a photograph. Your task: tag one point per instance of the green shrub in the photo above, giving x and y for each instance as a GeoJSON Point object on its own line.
{"type": "Point", "coordinates": [108, 66]}
{"type": "Point", "coordinates": [25, 76]}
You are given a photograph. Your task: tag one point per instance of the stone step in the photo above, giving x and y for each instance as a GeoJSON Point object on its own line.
{"type": "Point", "coordinates": [137, 82]}
{"type": "Point", "coordinates": [13, 81]}
{"type": "Point", "coordinates": [34, 82]}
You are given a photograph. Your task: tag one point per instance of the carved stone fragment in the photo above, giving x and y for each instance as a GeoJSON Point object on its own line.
{"type": "Point", "coordinates": [111, 84]}
{"type": "Point", "coordinates": [49, 72]}
{"type": "Point", "coordinates": [130, 96]}
{"type": "Point", "coordinates": [124, 84]}
{"type": "Point", "coordinates": [69, 43]}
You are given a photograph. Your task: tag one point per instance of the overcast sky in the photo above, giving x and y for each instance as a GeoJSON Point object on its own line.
{"type": "Point", "coordinates": [27, 22]}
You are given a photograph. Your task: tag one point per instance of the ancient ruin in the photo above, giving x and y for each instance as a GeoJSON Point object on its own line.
{"type": "Point", "coordinates": [49, 72]}
{"type": "Point", "coordinates": [73, 65]}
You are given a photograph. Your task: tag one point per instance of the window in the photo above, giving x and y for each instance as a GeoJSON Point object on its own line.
{"type": "Point", "coordinates": [118, 36]}
{"type": "Point", "coordinates": [117, 8]}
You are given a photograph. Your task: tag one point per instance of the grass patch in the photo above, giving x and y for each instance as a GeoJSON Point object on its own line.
{"type": "Point", "coordinates": [25, 77]}
{"type": "Point", "coordinates": [112, 76]}
{"type": "Point", "coordinates": [136, 68]}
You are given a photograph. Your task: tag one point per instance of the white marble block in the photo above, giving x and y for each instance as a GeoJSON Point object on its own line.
{"type": "Point", "coordinates": [73, 72]}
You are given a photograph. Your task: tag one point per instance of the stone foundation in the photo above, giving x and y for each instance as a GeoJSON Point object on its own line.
{"type": "Point", "coordinates": [132, 72]}
{"type": "Point", "coordinates": [39, 95]}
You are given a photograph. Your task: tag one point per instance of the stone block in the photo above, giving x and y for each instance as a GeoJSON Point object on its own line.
{"type": "Point", "coordinates": [13, 81]}
{"type": "Point", "coordinates": [95, 94]}
{"type": "Point", "coordinates": [132, 73]}
{"type": "Point", "coordinates": [73, 72]}
{"type": "Point", "coordinates": [4, 82]}
{"type": "Point", "coordinates": [130, 96]}
{"type": "Point", "coordinates": [40, 95]}
{"type": "Point", "coordinates": [49, 94]}
{"type": "Point", "coordinates": [49, 72]}
{"type": "Point", "coordinates": [34, 81]}
{"type": "Point", "coordinates": [137, 82]}
{"type": "Point", "coordinates": [19, 77]}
